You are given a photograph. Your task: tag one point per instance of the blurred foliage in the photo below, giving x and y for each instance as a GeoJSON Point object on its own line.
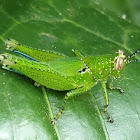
{"type": "Point", "coordinates": [123, 8]}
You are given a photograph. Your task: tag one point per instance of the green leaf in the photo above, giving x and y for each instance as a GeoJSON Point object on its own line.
{"type": "Point", "coordinates": [26, 111]}
{"type": "Point", "coordinates": [129, 9]}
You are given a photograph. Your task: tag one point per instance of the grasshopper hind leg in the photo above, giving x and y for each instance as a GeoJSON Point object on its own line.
{"type": "Point", "coordinates": [13, 45]}
{"type": "Point", "coordinates": [25, 55]}
{"type": "Point", "coordinates": [32, 53]}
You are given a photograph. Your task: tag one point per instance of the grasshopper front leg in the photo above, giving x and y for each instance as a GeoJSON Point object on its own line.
{"type": "Point", "coordinates": [106, 100]}
{"type": "Point", "coordinates": [116, 88]}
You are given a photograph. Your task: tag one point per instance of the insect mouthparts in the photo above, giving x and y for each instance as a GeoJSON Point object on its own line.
{"type": "Point", "coordinates": [121, 53]}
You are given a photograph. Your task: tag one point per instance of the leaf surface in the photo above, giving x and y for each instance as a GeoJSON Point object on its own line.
{"type": "Point", "coordinates": [26, 110]}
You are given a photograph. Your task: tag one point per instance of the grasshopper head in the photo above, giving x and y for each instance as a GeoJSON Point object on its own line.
{"type": "Point", "coordinates": [119, 60]}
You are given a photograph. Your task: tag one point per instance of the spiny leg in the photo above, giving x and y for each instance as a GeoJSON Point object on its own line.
{"type": "Point", "coordinates": [106, 100]}
{"type": "Point", "coordinates": [32, 53]}
{"type": "Point", "coordinates": [68, 96]}
{"type": "Point", "coordinates": [115, 88]}
{"type": "Point", "coordinates": [13, 45]}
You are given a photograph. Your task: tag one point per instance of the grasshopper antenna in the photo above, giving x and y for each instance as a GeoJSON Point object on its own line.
{"type": "Point", "coordinates": [132, 55]}
{"type": "Point", "coordinates": [129, 61]}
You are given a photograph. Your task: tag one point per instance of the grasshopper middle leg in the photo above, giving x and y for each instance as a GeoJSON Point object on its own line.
{"type": "Point", "coordinates": [68, 96]}
{"type": "Point", "coordinates": [106, 100]}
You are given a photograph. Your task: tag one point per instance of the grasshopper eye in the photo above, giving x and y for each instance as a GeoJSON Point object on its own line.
{"type": "Point", "coordinates": [121, 53]}
{"type": "Point", "coordinates": [118, 63]}
{"type": "Point", "coordinates": [83, 70]}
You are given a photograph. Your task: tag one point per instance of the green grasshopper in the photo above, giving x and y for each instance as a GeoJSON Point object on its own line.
{"type": "Point", "coordinates": [59, 72]}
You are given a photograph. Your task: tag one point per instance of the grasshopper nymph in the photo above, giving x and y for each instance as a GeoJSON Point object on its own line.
{"type": "Point", "coordinates": [59, 72]}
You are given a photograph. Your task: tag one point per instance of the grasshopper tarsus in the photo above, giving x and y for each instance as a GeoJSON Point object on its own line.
{"type": "Point", "coordinates": [110, 119]}
{"type": "Point", "coordinates": [37, 84]}
{"type": "Point", "coordinates": [53, 122]}
{"type": "Point", "coordinates": [121, 91]}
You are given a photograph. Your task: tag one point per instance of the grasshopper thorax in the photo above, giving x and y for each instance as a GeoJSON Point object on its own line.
{"type": "Point", "coordinates": [119, 60]}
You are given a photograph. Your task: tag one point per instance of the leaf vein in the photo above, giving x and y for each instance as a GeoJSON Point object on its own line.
{"type": "Point", "coordinates": [100, 116]}
{"type": "Point", "coordinates": [50, 111]}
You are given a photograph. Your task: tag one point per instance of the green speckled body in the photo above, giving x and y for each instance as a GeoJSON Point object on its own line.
{"type": "Point", "coordinates": [63, 74]}
{"type": "Point", "coordinates": [57, 67]}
